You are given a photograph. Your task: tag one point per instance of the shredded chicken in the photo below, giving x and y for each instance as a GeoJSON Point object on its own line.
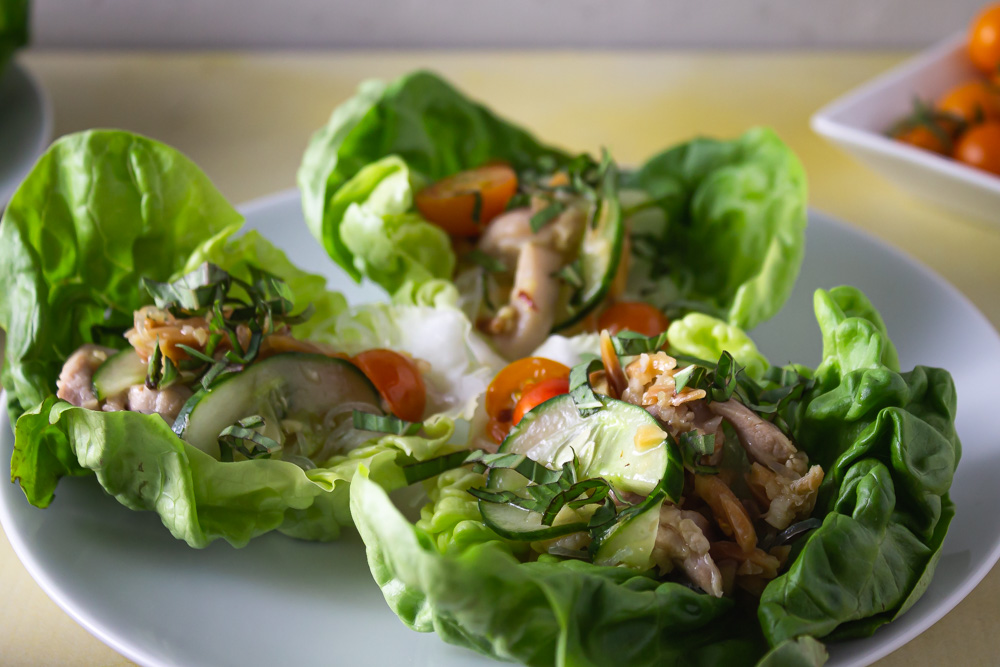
{"type": "Point", "coordinates": [151, 324]}
{"type": "Point", "coordinates": [651, 385]}
{"type": "Point", "coordinates": [780, 476]}
{"type": "Point", "coordinates": [507, 234]}
{"type": "Point", "coordinates": [763, 441]}
{"type": "Point", "coordinates": [525, 322]}
{"type": "Point", "coordinates": [681, 541]}
{"type": "Point", "coordinates": [164, 402]}
{"type": "Point", "coordinates": [76, 381]}
{"type": "Point", "coordinates": [788, 500]}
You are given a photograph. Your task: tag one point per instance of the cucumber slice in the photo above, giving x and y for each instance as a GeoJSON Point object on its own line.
{"type": "Point", "coordinates": [118, 373]}
{"type": "Point", "coordinates": [285, 384]}
{"type": "Point", "coordinates": [604, 442]}
{"type": "Point", "coordinates": [515, 523]}
{"type": "Point", "coordinates": [631, 543]}
{"type": "Point", "coordinates": [600, 253]}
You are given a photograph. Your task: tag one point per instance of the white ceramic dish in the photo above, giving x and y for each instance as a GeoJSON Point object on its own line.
{"type": "Point", "coordinates": [25, 127]}
{"type": "Point", "coordinates": [124, 578]}
{"type": "Point", "coordinates": [857, 122]}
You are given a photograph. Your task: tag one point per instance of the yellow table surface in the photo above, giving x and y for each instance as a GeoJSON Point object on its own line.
{"type": "Point", "coordinates": [247, 118]}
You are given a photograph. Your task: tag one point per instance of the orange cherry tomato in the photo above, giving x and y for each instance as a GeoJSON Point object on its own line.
{"type": "Point", "coordinates": [507, 387]}
{"type": "Point", "coordinates": [538, 393]}
{"type": "Point", "coordinates": [973, 102]}
{"type": "Point", "coordinates": [398, 382]}
{"type": "Point", "coordinates": [979, 147]}
{"type": "Point", "coordinates": [636, 316]}
{"type": "Point", "coordinates": [984, 39]}
{"type": "Point", "coordinates": [451, 202]}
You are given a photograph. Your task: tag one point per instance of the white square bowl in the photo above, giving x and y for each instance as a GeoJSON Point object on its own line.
{"type": "Point", "coordinates": [858, 121]}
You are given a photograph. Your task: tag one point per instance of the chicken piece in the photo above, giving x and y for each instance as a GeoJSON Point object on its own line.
{"type": "Point", "coordinates": [789, 500]}
{"type": "Point", "coordinates": [651, 385]}
{"type": "Point", "coordinates": [763, 441]}
{"type": "Point", "coordinates": [681, 541]}
{"type": "Point", "coordinates": [507, 234]}
{"type": "Point", "coordinates": [76, 381]}
{"type": "Point", "coordinates": [523, 324]}
{"type": "Point", "coordinates": [164, 402]}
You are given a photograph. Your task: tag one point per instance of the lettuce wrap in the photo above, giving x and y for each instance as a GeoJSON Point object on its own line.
{"type": "Point", "coordinates": [887, 441]}
{"type": "Point", "coordinates": [728, 239]}
{"type": "Point", "coordinates": [101, 211]}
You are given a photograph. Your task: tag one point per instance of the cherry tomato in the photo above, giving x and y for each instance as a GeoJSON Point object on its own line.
{"type": "Point", "coordinates": [451, 203]}
{"type": "Point", "coordinates": [538, 393]}
{"type": "Point", "coordinates": [507, 387]}
{"type": "Point", "coordinates": [922, 136]}
{"type": "Point", "coordinates": [635, 316]}
{"type": "Point", "coordinates": [973, 102]}
{"type": "Point", "coordinates": [980, 147]}
{"type": "Point", "coordinates": [984, 39]}
{"type": "Point", "coordinates": [398, 382]}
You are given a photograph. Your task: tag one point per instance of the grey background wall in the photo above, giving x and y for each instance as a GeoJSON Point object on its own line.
{"type": "Point", "coordinates": [767, 24]}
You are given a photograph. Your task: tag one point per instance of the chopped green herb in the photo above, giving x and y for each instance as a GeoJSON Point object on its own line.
{"type": "Point", "coordinates": [488, 262]}
{"type": "Point", "coordinates": [630, 343]}
{"type": "Point", "coordinates": [580, 390]}
{"type": "Point", "coordinates": [546, 215]}
{"type": "Point", "coordinates": [242, 437]}
{"type": "Point", "coordinates": [366, 421]}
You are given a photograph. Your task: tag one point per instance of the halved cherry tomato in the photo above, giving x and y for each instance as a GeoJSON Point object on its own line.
{"type": "Point", "coordinates": [451, 202]}
{"type": "Point", "coordinates": [536, 394]}
{"type": "Point", "coordinates": [507, 387]}
{"type": "Point", "coordinates": [979, 147]}
{"type": "Point", "coordinates": [973, 102]}
{"type": "Point", "coordinates": [398, 382]}
{"type": "Point", "coordinates": [984, 39]}
{"type": "Point", "coordinates": [635, 316]}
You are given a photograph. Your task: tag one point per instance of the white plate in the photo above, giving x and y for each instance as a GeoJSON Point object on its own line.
{"type": "Point", "coordinates": [150, 597]}
{"type": "Point", "coordinates": [25, 126]}
{"type": "Point", "coordinates": [858, 120]}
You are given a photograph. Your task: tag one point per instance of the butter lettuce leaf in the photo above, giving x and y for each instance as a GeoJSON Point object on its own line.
{"type": "Point", "coordinates": [727, 233]}
{"type": "Point", "coordinates": [100, 210]}
{"type": "Point", "coordinates": [887, 443]}
{"type": "Point", "coordinates": [474, 592]}
{"type": "Point", "coordinates": [104, 209]}
{"type": "Point", "coordinates": [360, 171]}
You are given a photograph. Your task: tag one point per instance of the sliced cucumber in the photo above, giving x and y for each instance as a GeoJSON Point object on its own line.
{"type": "Point", "coordinates": [285, 384]}
{"type": "Point", "coordinates": [118, 373]}
{"type": "Point", "coordinates": [631, 543]}
{"type": "Point", "coordinates": [516, 523]}
{"type": "Point", "coordinates": [604, 442]}
{"type": "Point", "coordinates": [600, 253]}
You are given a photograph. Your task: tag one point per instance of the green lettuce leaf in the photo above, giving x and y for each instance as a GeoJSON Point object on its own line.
{"type": "Point", "coordinates": [888, 444]}
{"type": "Point", "coordinates": [138, 460]}
{"type": "Point", "coordinates": [477, 594]}
{"type": "Point", "coordinates": [100, 210]}
{"type": "Point", "coordinates": [729, 230]}
{"type": "Point", "coordinates": [360, 171]}
{"type": "Point", "coordinates": [706, 337]}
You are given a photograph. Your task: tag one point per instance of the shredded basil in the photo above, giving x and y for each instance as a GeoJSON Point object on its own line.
{"type": "Point", "coordinates": [242, 437]}
{"type": "Point", "coordinates": [630, 343]}
{"type": "Point", "coordinates": [366, 421]}
{"type": "Point", "coordinates": [546, 215]}
{"type": "Point", "coordinates": [587, 402]}
{"type": "Point", "coordinates": [488, 262]}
